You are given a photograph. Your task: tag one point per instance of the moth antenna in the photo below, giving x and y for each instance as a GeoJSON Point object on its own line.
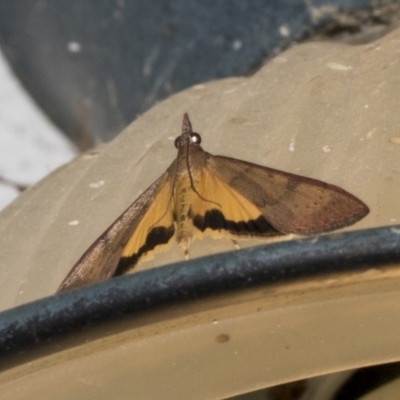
{"type": "Point", "coordinates": [192, 182]}
{"type": "Point", "coordinates": [186, 125]}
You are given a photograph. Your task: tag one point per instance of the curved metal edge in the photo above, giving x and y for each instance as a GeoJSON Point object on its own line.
{"type": "Point", "coordinates": [33, 325]}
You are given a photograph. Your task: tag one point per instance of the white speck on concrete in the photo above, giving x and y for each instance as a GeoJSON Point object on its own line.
{"type": "Point", "coordinates": [339, 67]}
{"type": "Point", "coordinates": [96, 185]}
{"type": "Point", "coordinates": [200, 86]}
{"type": "Point", "coordinates": [291, 144]}
{"type": "Point", "coordinates": [74, 47]}
{"type": "Point", "coordinates": [371, 133]}
{"type": "Point", "coordinates": [73, 222]}
{"type": "Point", "coordinates": [237, 44]}
{"type": "Point", "coordinates": [284, 31]}
{"type": "Point", "coordinates": [326, 149]}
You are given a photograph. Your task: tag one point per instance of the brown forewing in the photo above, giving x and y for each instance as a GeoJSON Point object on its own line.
{"type": "Point", "coordinates": [290, 203]}
{"type": "Point", "coordinates": [100, 260]}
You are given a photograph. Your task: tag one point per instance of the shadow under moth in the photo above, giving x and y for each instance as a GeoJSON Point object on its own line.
{"type": "Point", "coordinates": [202, 194]}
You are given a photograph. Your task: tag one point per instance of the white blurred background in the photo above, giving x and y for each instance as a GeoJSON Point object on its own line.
{"type": "Point", "coordinates": [31, 146]}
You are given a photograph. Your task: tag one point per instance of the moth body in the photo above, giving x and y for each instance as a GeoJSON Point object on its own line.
{"type": "Point", "coordinates": [202, 194]}
{"type": "Point", "coordinates": [183, 198]}
{"type": "Point", "coordinates": [186, 173]}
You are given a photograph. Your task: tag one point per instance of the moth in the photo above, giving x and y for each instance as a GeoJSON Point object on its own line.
{"type": "Point", "coordinates": [202, 194]}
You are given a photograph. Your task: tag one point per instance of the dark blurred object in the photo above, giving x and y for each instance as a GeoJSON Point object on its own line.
{"type": "Point", "coordinates": [368, 379]}
{"type": "Point", "coordinates": [94, 66]}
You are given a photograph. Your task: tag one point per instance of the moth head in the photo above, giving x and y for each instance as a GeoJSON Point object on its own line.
{"type": "Point", "coordinates": [187, 137]}
{"type": "Point", "coordinates": [192, 138]}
